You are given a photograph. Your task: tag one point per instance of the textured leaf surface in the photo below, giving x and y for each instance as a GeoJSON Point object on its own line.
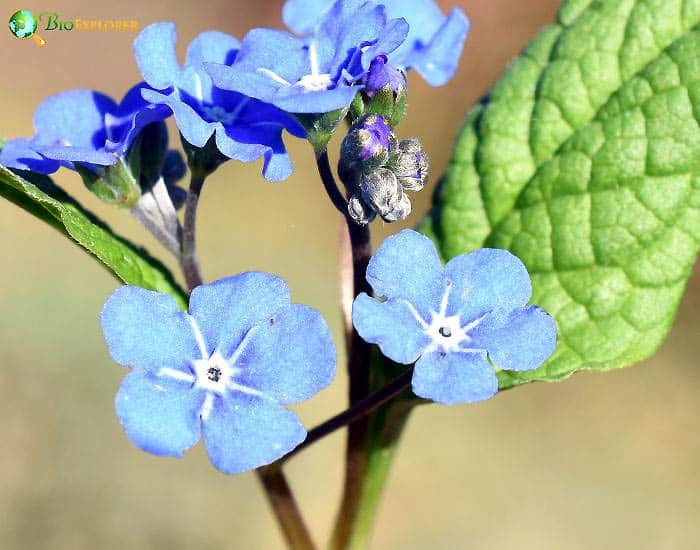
{"type": "Point", "coordinates": [130, 264]}
{"type": "Point", "coordinates": [585, 162]}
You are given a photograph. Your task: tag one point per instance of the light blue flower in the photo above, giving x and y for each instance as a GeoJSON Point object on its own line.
{"type": "Point", "coordinates": [244, 129]}
{"type": "Point", "coordinates": [453, 322]}
{"type": "Point", "coordinates": [82, 127]}
{"type": "Point", "coordinates": [317, 74]}
{"type": "Point", "coordinates": [434, 43]}
{"type": "Point", "coordinates": [222, 371]}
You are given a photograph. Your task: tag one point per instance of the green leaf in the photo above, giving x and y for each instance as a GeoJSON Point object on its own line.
{"type": "Point", "coordinates": [129, 263]}
{"type": "Point", "coordinates": [585, 162]}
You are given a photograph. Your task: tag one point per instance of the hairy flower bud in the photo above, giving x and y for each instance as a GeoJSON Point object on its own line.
{"type": "Point", "coordinates": [386, 90]}
{"type": "Point", "coordinates": [381, 190]}
{"type": "Point", "coordinates": [401, 211]}
{"type": "Point", "coordinates": [367, 145]}
{"type": "Point", "coordinates": [361, 212]}
{"type": "Point", "coordinates": [410, 163]}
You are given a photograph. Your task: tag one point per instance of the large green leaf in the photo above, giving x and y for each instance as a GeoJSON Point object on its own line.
{"type": "Point", "coordinates": [130, 264]}
{"type": "Point", "coordinates": [585, 162]}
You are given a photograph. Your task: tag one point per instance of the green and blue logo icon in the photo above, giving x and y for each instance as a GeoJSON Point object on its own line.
{"type": "Point", "coordinates": [23, 25]}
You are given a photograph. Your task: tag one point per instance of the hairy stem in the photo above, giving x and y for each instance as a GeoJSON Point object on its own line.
{"type": "Point", "coordinates": [188, 260]}
{"type": "Point", "coordinates": [355, 412]}
{"type": "Point", "coordinates": [279, 495]}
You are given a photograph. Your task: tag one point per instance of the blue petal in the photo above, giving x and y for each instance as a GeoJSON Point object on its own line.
{"type": "Point", "coordinates": [301, 15]}
{"type": "Point", "coordinates": [392, 325]}
{"type": "Point", "coordinates": [391, 37]}
{"type": "Point", "coordinates": [75, 118]}
{"type": "Point", "coordinates": [160, 414]}
{"type": "Point", "coordinates": [438, 61]}
{"type": "Point", "coordinates": [244, 432]}
{"type": "Point", "coordinates": [133, 115]}
{"type": "Point", "coordinates": [295, 100]}
{"type": "Point", "coordinates": [456, 377]}
{"type": "Point", "coordinates": [528, 337]}
{"type": "Point", "coordinates": [146, 330]}
{"type": "Point", "coordinates": [227, 309]}
{"type": "Point", "coordinates": [261, 49]}
{"type": "Point", "coordinates": [191, 125]}
{"type": "Point", "coordinates": [17, 154]}
{"type": "Point", "coordinates": [214, 46]}
{"type": "Point", "coordinates": [78, 154]}
{"type": "Point", "coordinates": [291, 357]}
{"type": "Point", "coordinates": [487, 280]}
{"type": "Point", "coordinates": [406, 265]}
{"type": "Point", "coordinates": [155, 54]}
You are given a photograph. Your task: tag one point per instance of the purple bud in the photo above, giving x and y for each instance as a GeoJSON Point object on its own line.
{"type": "Point", "coordinates": [368, 144]}
{"type": "Point", "coordinates": [381, 76]}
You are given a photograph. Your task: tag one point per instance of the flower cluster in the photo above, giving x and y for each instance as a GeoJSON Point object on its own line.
{"type": "Point", "coordinates": [385, 170]}
{"type": "Point", "coordinates": [225, 369]}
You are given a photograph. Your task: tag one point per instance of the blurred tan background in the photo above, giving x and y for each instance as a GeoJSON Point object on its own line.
{"type": "Point", "coordinates": [603, 461]}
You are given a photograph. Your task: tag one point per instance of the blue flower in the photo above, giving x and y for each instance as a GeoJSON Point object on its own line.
{"type": "Point", "coordinates": [317, 74]}
{"type": "Point", "coordinates": [82, 127]}
{"type": "Point", "coordinates": [453, 322]}
{"type": "Point", "coordinates": [433, 46]}
{"type": "Point", "coordinates": [244, 129]}
{"type": "Point", "coordinates": [222, 371]}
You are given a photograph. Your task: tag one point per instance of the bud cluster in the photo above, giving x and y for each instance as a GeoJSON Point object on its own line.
{"type": "Point", "coordinates": [386, 170]}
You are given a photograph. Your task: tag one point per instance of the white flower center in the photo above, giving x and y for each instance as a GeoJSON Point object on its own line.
{"type": "Point", "coordinates": [213, 373]}
{"type": "Point", "coordinates": [446, 333]}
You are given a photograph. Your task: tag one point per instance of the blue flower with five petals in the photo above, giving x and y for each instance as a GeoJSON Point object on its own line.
{"type": "Point", "coordinates": [454, 323]}
{"type": "Point", "coordinates": [434, 43]}
{"type": "Point", "coordinates": [82, 127]}
{"type": "Point", "coordinates": [319, 73]}
{"type": "Point", "coordinates": [222, 371]}
{"type": "Point", "coordinates": [243, 128]}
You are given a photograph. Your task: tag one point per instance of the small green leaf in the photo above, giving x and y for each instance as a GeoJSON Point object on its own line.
{"type": "Point", "coordinates": [130, 264]}
{"type": "Point", "coordinates": [585, 162]}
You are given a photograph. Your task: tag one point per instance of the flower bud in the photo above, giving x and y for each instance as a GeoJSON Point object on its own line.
{"type": "Point", "coordinates": [401, 211]}
{"type": "Point", "coordinates": [367, 145]}
{"type": "Point", "coordinates": [386, 90]}
{"type": "Point", "coordinates": [361, 212]}
{"type": "Point", "coordinates": [381, 190]}
{"type": "Point", "coordinates": [410, 163]}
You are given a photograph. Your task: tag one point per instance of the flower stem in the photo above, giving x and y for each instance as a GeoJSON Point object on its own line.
{"type": "Point", "coordinates": [283, 504]}
{"type": "Point", "coordinates": [355, 412]}
{"type": "Point", "coordinates": [188, 260]}
{"type": "Point", "coordinates": [356, 250]}
{"type": "Point", "coordinates": [334, 194]}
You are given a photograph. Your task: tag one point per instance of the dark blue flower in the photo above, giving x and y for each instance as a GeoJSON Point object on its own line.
{"type": "Point", "coordinates": [434, 43]}
{"type": "Point", "coordinates": [82, 127]}
{"type": "Point", "coordinates": [317, 74]}
{"type": "Point", "coordinates": [451, 322]}
{"type": "Point", "coordinates": [222, 371]}
{"type": "Point", "coordinates": [244, 129]}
